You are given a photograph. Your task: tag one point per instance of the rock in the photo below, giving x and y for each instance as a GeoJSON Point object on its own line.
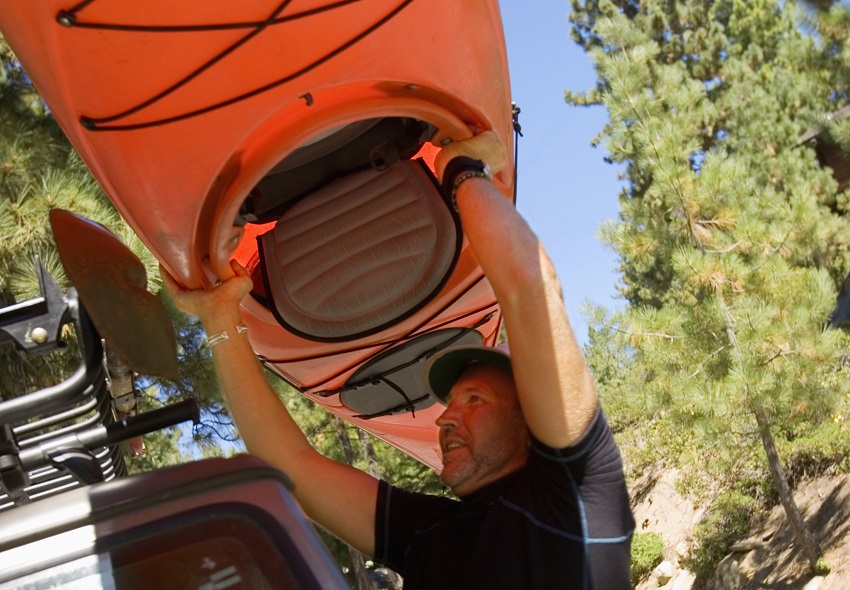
{"type": "Point", "coordinates": [682, 551]}
{"type": "Point", "coordinates": [661, 508]}
{"type": "Point", "coordinates": [745, 546]}
{"type": "Point", "coordinates": [768, 535]}
{"type": "Point", "coordinates": [750, 564]}
{"type": "Point", "coordinates": [684, 581]}
{"type": "Point", "coordinates": [728, 573]}
{"type": "Point", "coordinates": [814, 583]}
{"type": "Point", "coordinates": [697, 517]}
{"type": "Point", "coordinates": [664, 572]}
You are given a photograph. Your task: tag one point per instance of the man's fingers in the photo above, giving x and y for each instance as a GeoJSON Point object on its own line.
{"type": "Point", "coordinates": [238, 269]}
{"type": "Point", "coordinates": [209, 303]}
{"type": "Point", "coordinates": [168, 281]}
{"type": "Point", "coordinates": [485, 147]}
{"type": "Point", "coordinates": [178, 293]}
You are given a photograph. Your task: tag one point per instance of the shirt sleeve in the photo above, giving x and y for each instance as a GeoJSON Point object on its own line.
{"type": "Point", "coordinates": [587, 480]}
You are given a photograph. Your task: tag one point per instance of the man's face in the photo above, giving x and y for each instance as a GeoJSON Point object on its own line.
{"type": "Point", "coordinates": [483, 435]}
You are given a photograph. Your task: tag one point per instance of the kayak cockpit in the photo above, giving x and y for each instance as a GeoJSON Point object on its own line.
{"type": "Point", "coordinates": [359, 234]}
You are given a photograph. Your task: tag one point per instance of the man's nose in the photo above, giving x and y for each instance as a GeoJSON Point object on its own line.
{"type": "Point", "coordinates": [448, 419]}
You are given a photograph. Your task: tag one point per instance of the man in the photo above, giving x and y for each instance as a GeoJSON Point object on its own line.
{"type": "Point", "coordinates": [524, 443]}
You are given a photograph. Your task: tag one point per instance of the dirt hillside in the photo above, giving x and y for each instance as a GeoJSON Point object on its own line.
{"type": "Point", "coordinates": [768, 559]}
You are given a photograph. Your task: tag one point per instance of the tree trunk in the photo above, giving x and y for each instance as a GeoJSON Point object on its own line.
{"type": "Point", "coordinates": [780, 480]}
{"type": "Point", "coordinates": [358, 561]}
{"type": "Point", "coordinates": [803, 535]}
{"type": "Point", "coordinates": [368, 450]}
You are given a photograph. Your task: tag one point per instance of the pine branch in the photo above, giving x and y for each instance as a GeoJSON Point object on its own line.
{"type": "Point", "coordinates": [724, 250]}
{"type": "Point", "coordinates": [708, 358]}
{"type": "Point", "coordinates": [670, 337]}
{"type": "Point", "coordinates": [676, 186]}
{"type": "Point", "coordinates": [779, 354]}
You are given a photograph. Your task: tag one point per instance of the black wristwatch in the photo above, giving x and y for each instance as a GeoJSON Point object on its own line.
{"type": "Point", "coordinates": [457, 171]}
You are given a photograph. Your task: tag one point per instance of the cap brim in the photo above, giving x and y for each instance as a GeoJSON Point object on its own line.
{"type": "Point", "coordinates": [444, 368]}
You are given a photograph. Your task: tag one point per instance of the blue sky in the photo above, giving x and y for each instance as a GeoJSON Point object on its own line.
{"type": "Point", "coordinates": [566, 190]}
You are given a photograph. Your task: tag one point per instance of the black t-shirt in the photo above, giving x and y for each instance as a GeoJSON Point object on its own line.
{"type": "Point", "coordinates": [563, 521]}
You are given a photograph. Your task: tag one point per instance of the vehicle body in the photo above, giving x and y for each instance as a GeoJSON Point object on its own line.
{"type": "Point", "coordinates": [71, 517]}
{"type": "Point", "coordinates": [217, 523]}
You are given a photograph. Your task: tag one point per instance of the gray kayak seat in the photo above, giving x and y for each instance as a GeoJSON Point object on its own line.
{"type": "Point", "coordinates": [361, 253]}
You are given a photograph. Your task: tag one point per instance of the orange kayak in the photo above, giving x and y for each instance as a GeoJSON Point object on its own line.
{"type": "Point", "coordinates": [297, 137]}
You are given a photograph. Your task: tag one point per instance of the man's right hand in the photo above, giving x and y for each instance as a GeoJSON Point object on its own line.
{"type": "Point", "coordinates": [206, 304]}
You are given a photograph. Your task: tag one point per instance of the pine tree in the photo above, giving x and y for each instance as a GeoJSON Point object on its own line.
{"type": "Point", "coordinates": [731, 237]}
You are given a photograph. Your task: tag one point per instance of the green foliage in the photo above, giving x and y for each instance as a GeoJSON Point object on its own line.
{"type": "Point", "coordinates": [40, 171]}
{"type": "Point", "coordinates": [824, 449]}
{"type": "Point", "coordinates": [30, 145]}
{"type": "Point", "coordinates": [732, 241]}
{"type": "Point", "coordinates": [369, 454]}
{"type": "Point", "coordinates": [821, 568]}
{"type": "Point", "coordinates": [728, 520]}
{"type": "Point", "coordinates": [647, 552]}
{"type": "Point", "coordinates": [162, 449]}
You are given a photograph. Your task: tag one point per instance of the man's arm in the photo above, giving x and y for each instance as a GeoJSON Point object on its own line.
{"type": "Point", "coordinates": [267, 428]}
{"type": "Point", "coordinates": [553, 382]}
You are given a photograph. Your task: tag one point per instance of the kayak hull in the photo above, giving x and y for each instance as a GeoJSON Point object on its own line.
{"type": "Point", "coordinates": [181, 109]}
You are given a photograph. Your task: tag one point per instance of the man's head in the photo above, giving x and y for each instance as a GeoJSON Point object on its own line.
{"type": "Point", "coordinates": [483, 435]}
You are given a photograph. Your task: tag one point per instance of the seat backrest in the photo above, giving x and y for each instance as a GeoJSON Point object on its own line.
{"type": "Point", "coordinates": [361, 253]}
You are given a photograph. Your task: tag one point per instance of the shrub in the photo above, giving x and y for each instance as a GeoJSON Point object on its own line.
{"type": "Point", "coordinates": [824, 450]}
{"type": "Point", "coordinates": [821, 568]}
{"type": "Point", "coordinates": [647, 552]}
{"type": "Point", "coordinates": [728, 520]}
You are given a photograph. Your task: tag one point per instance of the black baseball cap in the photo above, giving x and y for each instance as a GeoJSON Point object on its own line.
{"type": "Point", "coordinates": [444, 368]}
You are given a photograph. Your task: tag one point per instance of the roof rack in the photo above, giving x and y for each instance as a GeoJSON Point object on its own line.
{"type": "Point", "coordinates": [66, 435]}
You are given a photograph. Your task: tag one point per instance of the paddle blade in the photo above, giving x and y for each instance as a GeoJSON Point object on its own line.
{"type": "Point", "coordinates": [111, 281]}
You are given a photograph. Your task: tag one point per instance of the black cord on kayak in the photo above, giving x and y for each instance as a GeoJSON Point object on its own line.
{"type": "Point", "coordinates": [515, 111]}
{"type": "Point", "coordinates": [92, 124]}
{"type": "Point", "coordinates": [68, 18]}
